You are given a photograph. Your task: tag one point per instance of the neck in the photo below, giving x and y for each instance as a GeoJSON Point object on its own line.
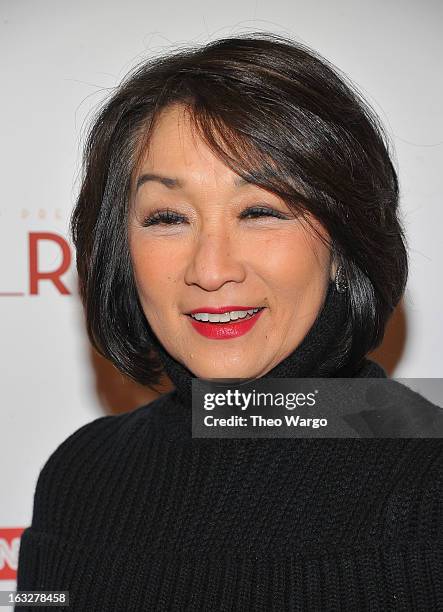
{"type": "Point", "coordinates": [314, 357]}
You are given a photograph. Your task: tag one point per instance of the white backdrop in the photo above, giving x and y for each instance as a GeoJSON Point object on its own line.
{"type": "Point", "coordinates": [58, 61]}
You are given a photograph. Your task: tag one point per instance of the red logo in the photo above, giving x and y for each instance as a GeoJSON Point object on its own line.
{"type": "Point", "coordinates": [36, 274]}
{"type": "Point", "coordinates": [9, 549]}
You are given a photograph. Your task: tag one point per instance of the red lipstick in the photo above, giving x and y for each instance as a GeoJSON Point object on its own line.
{"type": "Point", "coordinates": [224, 331]}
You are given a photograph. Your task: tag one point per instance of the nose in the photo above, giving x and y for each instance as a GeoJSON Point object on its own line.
{"type": "Point", "coordinates": [214, 260]}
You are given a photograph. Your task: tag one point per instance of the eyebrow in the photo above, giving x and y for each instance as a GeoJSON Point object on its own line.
{"type": "Point", "coordinates": [175, 183]}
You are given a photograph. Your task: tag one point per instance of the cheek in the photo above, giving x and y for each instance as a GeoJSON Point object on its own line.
{"type": "Point", "coordinates": [154, 267]}
{"type": "Point", "coordinates": [294, 260]}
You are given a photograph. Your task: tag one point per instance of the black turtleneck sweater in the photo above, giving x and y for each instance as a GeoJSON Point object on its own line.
{"type": "Point", "coordinates": [132, 513]}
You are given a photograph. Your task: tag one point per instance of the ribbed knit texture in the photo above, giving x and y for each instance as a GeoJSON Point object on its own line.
{"type": "Point", "coordinates": [130, 513]}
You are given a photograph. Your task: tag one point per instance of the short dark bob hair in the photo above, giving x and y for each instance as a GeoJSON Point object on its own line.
{"type": "Point", "coordinates": [282, 117]}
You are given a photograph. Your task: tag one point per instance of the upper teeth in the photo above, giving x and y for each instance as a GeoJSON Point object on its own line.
{"type": "Point", "coordinates": [226, 316]}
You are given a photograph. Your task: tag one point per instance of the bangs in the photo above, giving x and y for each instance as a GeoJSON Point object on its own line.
{"type": "Point", "coordinates": [242, 142]}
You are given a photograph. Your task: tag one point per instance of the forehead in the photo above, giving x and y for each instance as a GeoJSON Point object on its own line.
{"type": "Point", "coordinates": [174, 138]}
{"type": "Point", "coordinates": [176, 149]}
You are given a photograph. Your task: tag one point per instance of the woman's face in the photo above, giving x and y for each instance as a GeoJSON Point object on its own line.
{"type": "Point", "coordinates": [209, 253]}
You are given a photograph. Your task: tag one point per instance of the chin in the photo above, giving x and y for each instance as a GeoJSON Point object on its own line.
{"type": "Point", "coordinates": [224, 373]}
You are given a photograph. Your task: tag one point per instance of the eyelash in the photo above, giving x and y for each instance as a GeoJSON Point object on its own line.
{"type": "Point", "coordinates": [169, 217]}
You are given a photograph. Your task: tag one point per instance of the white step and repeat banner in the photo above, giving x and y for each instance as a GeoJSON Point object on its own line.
{"type": "Point", "coordinates": [59, 60]}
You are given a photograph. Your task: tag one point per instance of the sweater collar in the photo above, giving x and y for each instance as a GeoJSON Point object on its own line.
{"type": "Point", "coordinates": [310, 359]}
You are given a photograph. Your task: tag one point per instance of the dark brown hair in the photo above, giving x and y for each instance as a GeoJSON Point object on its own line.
{"type": "Point", "coordinates": [284, 118]}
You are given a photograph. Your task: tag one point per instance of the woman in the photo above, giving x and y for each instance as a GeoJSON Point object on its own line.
{"type": "Point", "coordinates": [244, 174]}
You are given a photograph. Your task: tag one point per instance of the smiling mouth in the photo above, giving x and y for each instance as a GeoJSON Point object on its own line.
{"type": "Point", "coordinates": [226, 330]}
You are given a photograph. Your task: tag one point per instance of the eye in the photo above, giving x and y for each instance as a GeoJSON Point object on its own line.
{"type": "Point", "coordinates": [167, 217]}
{"type": "Point", "coordinates": [261, 211]}
{"type": "Point", "coordinates": [170, 217]}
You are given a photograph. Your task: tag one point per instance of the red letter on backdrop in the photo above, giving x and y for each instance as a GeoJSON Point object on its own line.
{"type": "Point", "coordinates": [34, 275]}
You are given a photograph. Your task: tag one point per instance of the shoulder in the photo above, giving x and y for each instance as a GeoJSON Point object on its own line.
{"type": "Point", "coordinates": [101, 432]}
{"type": "Point", "coordinates": [389, 407]}
{"type": "Point", "coordinates": [88, 457]}
{"type": "Point", "coordinates": [414, 507]}
{"type": "Point", "coordinates": [407, 413]}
